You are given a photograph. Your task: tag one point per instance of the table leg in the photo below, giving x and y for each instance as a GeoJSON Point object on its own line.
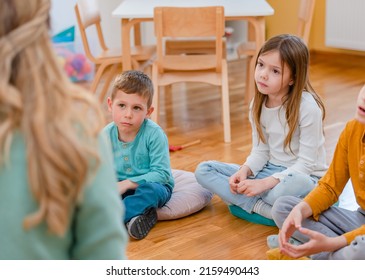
{"type": "Point", "coordinates": [126, 44]}
{"type": "Point", "coordinates": [137, 34]}
{"type": "Point", "coordinates": [258, 24]}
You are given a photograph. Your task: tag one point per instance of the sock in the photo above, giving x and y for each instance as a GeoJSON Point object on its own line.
{"type": "Point", "coordinates": [262, 209]}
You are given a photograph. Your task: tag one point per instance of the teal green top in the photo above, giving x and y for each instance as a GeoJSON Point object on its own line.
{"type": "Point", "coordinates": [96, 232]}
{"type": "Point", "coordinates": [146, 158]}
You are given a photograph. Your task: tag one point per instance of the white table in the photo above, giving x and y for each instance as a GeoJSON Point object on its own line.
{"type": "Point", "coordinates": [133, 12]}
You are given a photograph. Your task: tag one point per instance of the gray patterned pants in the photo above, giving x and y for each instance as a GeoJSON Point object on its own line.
{"type": "Point", "coordinates": [333, 222]}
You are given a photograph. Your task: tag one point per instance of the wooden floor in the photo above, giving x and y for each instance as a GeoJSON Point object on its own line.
{"type": "Point", "coordinates": [193, 112]}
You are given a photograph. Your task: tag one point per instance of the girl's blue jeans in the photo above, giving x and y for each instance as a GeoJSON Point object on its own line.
{"type": "Point", "coordinates": [214, 176]}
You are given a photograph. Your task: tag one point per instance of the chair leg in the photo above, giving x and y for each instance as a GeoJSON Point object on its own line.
{"type": "Point", "coordinates": [168, 89]}
{"type": "Point", "coordinates": [97, 77]}
{"type": "Point", "coordinates": [249, 79]}
{"type": "Point", "coordinates": [111, 74]}
{"type": "Point", "coordinates": [155, 101]}
{"type": "Point", "coordinates": [225, 104]}
{"type": "Point", "coordinates": [148, 70]}
{"type": "Point", "coordinates": [135, 64]}
{"type": "Point", "coordinates": [238, 51]}
{"type": "Point", "coordinates": [146, 66]}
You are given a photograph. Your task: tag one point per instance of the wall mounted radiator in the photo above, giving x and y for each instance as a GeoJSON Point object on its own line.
{"type": "Point", "coordinates": [345, 24]}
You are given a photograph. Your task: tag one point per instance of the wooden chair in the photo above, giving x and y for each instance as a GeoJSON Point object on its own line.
{"type": "Point", "coordinates": [191, 46]}
{"type": "Point", "coordinates": [249, 49]}
{"type": "Point", "coordinates": [87, 15]}
{"type": "Point", "coordinates": [191, 22]}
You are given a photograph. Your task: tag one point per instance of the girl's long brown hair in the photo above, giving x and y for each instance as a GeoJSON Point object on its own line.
{"type": "Point", "coordinates": [295, 54]}
{"type": "Point", "coordinates": [59, 121]}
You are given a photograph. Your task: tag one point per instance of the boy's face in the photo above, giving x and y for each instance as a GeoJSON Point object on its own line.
{"type": "Point", "coordinates": [360, 110]}
{"type": "Point", "coordinates": [128, 113]}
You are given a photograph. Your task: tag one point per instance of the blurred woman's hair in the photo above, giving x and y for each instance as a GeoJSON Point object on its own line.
{"type": "Point", "coordinates": [59, 121]}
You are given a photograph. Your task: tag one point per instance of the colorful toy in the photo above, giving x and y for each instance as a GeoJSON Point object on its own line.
{"type": "Point", "coordinates": [173, 148]}
{"type": "Point", "coordinates": [76, 65]}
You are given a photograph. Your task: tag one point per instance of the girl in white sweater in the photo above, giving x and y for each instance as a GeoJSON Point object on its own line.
{"type": "Point", "coordinates": [288, 153]}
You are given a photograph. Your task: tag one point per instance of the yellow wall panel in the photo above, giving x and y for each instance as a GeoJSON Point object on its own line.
{"type": "Point", "coordinates": [284, 21]}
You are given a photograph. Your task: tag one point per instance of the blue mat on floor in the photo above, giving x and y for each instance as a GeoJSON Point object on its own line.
{"type": "Point", "coordinates": [253, 218]}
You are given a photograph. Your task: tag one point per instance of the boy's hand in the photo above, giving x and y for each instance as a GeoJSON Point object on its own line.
{"type": "Point", "coordinates": [125, 185]}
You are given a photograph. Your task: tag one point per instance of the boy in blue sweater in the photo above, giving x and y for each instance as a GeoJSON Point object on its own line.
{"type": "Point", "coordinates": [140, 150]}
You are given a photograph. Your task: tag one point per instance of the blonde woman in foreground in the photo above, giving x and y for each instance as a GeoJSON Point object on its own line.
{"type": "Point", "coordinates": [58, 190]}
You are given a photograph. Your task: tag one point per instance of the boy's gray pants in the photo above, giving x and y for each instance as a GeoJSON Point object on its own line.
{"type": "Point", "coordinates": [333, 222]}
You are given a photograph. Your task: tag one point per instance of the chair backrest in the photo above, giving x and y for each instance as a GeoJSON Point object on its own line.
{"type": "Point", "coordinates": [305, 16]}
{"type": "Point", "coordinates": [87, 15]}
{"type": "Point", "coordinates": [188, 22]}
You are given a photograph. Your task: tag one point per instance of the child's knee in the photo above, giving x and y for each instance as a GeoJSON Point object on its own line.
{"type": "Point", "coordinates": [354, 251]}
{"type": "Point", "coordinates": [148, 188]}
{"type": "Point", "coordinates": [202, 169]}
{"type": "Point", "coordinates": [298, 184]}
{"type": "Point", "coordinates": [281, 209]}
{"type": "Point", "coordinates": [358, 248]}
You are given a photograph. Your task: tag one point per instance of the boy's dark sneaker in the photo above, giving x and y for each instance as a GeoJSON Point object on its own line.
{"type": "Point", "coordinates": [139, 226]}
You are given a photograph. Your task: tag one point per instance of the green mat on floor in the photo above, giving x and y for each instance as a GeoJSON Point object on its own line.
{"type": "Point", "coordinates": [253, 218]}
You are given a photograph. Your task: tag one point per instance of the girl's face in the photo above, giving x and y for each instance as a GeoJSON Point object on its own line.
{"type": "Point", "coordinates": [271, 78]}
{"type": "Point", "coordinates": [360, 110]}
{"type": "Point", "coordinates": [128, 113]}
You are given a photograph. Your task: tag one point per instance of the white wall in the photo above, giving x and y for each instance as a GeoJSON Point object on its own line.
{"type": "Point", "coordinates": [63, 17]}
{"type": "Point", "coordinates": [111, 26]}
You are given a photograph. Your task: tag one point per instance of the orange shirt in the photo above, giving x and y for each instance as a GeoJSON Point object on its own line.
{"type": "Point", "coordinates": [348, 162]}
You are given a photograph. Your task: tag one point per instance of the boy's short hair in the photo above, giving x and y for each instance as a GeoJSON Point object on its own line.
{"type": "Point", "coordinates": [134, 82]}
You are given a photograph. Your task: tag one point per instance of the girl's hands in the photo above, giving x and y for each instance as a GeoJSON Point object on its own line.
{"type": "Point", "coordinates": [238, 177]}
{"type": "Point", "coordinates": [252, 187]}
{"type": "Point", "coordinates": [239, 184]}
